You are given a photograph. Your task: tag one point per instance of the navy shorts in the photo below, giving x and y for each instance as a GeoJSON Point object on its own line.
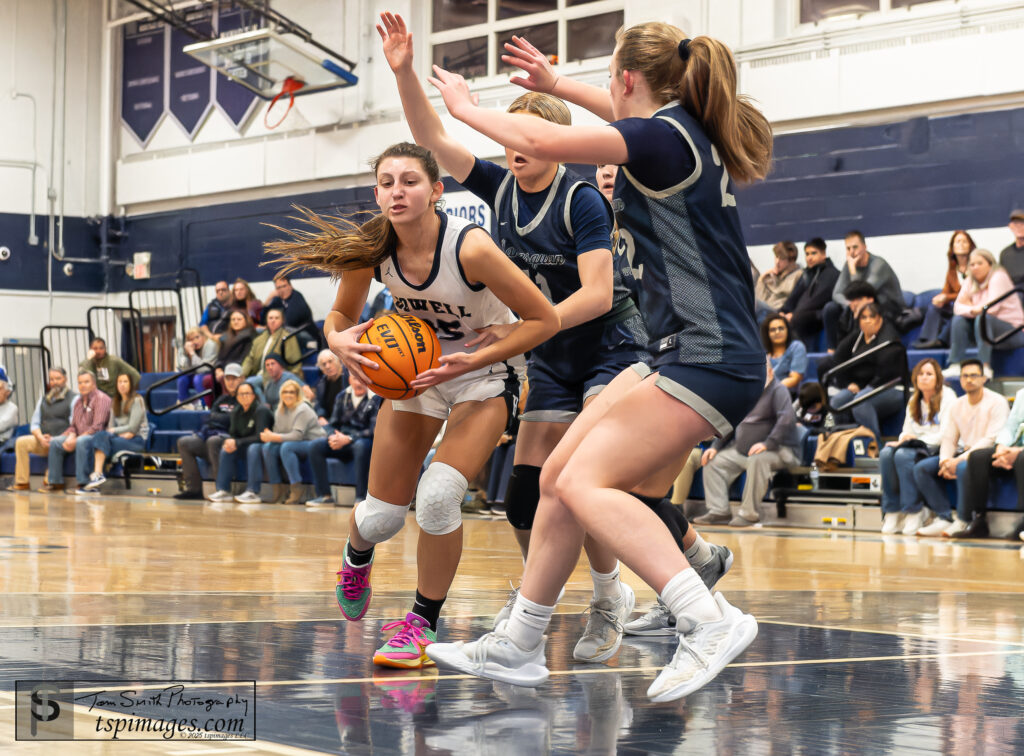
{"type": "Point", "coordinates": [576, 364]}
{"type": "Point", "coordinates": [721, 394]}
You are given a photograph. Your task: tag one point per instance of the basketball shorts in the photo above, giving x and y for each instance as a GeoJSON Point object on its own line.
{"type": "Point", "coordinates": [499, 379]}
{"type": "Point", "coordinates": [578, 363]}
{"type": "Point", "coordinates": [721, 394]}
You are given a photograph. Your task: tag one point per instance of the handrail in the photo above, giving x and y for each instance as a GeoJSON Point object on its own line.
{"type": "Point", "coordinates": [175, 377]}
{"type": "Point", "coordinates": [135, 320]}
{"type": "Point", "coordinates": [295, 335]}
{"type": "Point", "coordinates": [1017, 290]}
{"type": "Point", "coordinates": [904, 378]}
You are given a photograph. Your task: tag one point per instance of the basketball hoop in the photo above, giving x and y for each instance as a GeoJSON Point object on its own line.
{"type": "Point", "coordinates": [289, 87]}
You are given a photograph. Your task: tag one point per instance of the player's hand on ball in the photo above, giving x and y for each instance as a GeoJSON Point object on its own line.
{"type": "Point", "coordinates": [345, 344]}
{"type": "Point", "coordinates": [540, 76]}
{"type": "Point", "coordinates": [452, 366]}
{"type": "Point", "coordinates": [489, 334]}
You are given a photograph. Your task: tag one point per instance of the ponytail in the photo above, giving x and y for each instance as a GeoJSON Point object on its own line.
{"type": "Point", "coordinates": [701, 74]}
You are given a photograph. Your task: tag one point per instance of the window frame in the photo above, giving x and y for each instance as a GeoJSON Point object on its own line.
{"type": "Point", "coordinates": [885, 13]}
{"type": "Point", "coordinates": [492, 28]}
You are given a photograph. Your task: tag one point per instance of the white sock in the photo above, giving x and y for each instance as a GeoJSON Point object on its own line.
{"type": "Point", "coordinates": [527, 623]}
{"type": "Point", "coordinates": [699, 553]}
{"type": "Point", "coordinates": [686, 595]}
{"type": "Point", "coordinates": [606, 585]}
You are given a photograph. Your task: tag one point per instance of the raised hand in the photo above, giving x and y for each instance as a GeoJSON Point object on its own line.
{"type": "Point", "coordinates": [397, 41]}
{"type": "Point", "coordinates": [540, 76]}
{"type": "Point", "coordinates": [453, 89]}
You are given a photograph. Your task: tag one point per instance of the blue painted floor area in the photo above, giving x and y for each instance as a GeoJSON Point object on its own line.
{"type": "Point", "coordinates": [799, 689]}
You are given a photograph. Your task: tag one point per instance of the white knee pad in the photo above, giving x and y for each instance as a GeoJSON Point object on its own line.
{"type": "Point", "coordinates": [439, 499]}
{"type": "Point", "coordinates": [379, 521]}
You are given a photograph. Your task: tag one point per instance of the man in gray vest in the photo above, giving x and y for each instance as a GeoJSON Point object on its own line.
{"type": "Point", "coordinates": [52, 415]}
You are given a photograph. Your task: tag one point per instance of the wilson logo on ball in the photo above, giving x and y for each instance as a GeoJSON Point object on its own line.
{"type": "Point", "coordinates": [408, 347]}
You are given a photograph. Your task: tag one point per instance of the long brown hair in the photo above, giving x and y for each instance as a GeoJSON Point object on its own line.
{"type": "Point", "coordinates": [935, 403]}
{"type": "Point", "coordinates": [116, 406]}
{"type": "Point", "coordinates": [333, 244]}
{"type": "Point", "coordinates": [705, 84]}
{"type": "Point", "coordinates": [952, 255]}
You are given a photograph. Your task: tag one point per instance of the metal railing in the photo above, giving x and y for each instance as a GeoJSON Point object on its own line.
{"type": "Point", "coordinates": [302, 338]}
{"type": "Point", "coordinates": [28, 368]}
{"type": "Point", "coordinates": [121, 328]}
{"type": "Point", "coordinates": [997, 340]}
{"type": "Point", "coordinates": [903, 378]}
{"type": "Point", "coordinates": [68, 346]}
{"type": "Point", "coordinates": [173, 379]}
{"type": "Point", "coordinates": [160, 303]}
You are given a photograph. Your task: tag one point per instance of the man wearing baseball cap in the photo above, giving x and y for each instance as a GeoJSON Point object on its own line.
{"type": "Point", "coordinates": [1012, 258]}
{"type": "Point", "coordinates": [207, 441]}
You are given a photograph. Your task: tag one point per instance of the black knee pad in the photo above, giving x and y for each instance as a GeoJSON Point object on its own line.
{"type": "Point", "coordinates": [522, 496]}
{"type": "Point", "coordinates": [669, 513]}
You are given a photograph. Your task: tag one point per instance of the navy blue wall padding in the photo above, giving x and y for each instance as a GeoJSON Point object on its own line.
{"type": "Point", "coordinates": [26, 268]}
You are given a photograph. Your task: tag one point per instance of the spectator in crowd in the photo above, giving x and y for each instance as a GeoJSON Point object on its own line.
{"type": "Point", "coordinates": [215, 317]}
{"type": "Point", "coordinates": [382, 302]}
{"type": "Point", "coordinates": [349, 438]}
{"type": "Point", "coordinates": [244, 299]}
{"type": "Point", "coordinates": [875, 370]}
{"type": "Point", "coordinates": [1012, 256]}
{"type": "Point", "coordinates": [295, 428]}
{"type": "Point", "coordinates": [248, 420]}
{"type": "Point", "coordinates": [810, 406]}
{"type": "Point", "coordinates": [861, 265]}
{"type": "Point", "coordinates": [812, 292]}
{"type": "Point", "coordinates": [196, 350]}
{"type": "Point", "coordinates": [774, 286]}
{"type": "Point", "coordinates": [274, 340]}
{"type": "Point", "coordinates": [106, 367]}
{"type": "Point", "coordinates": [787, 355]}
{"type": "Point", "coordinates": [89, 414]}
{"type": "Point", "coordinates": [858, 294]}
{"type": "Point", "coordinates": [983, 466]}
{"type": "Point", "coordinates": [208, 441]}
{"type": "Point", "coordinates": [274, 378]}
{"type": "Point", "coordinates": [50, 417]}
{"type": "Point", "coordinates": [973, 423]}
{"type": "Point", "coordinates": [235, 343]}
{"type": "Point", "coordinates": [328, 388]}
{"type": "Point", "coordinates": [986, 283]}
{"type": "Point", "coordinates": [8, 417]}
{"type": "Point", "coordinates": [929, 406]}
{"type": "Point", "coordinates": [935, 331]}
{"type": "Point", "coordinates": [127, 430]}
{"type": "Point", "coordinates": [764, 441]}
{"type": "Point", "coordinates": [297, 315]}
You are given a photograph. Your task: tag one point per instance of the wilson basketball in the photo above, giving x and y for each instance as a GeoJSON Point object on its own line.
{"type": "Point", "coordinates": [408, 346]}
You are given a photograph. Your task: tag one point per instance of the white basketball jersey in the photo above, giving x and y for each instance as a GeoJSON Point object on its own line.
{"type": "Point", "coordinates": [453, 307]}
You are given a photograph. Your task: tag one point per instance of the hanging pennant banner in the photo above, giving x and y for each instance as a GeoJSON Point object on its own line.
{"type": "Point", "coordinates": [143, 78]}
{"type": "Point", "coordinates": [236, 101]}
{"type": "Point", "coordinates": [190, 82]}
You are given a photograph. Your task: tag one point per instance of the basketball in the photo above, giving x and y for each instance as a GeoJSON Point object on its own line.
{"type": "Point", "coordinates": [408, 346]}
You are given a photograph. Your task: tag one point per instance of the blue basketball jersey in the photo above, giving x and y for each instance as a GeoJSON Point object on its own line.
{"type": "Point", "coordinates": [683, 244]}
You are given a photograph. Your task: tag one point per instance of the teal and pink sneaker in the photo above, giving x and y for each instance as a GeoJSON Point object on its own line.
{"type": "Point", "coordinates": [406, 648]}
{"type": "Point", "coordinates": [353, 590]}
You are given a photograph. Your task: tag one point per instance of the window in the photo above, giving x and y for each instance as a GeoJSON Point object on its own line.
{"type": "Point", "coordinates": [468, 36]}
{"type": "Point", "coordinates": [813, 11]}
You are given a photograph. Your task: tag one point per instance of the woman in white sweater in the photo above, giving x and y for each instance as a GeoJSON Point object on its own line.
{"type": "Point", "coordinates": [295, 420]}
{"type": "Point", "coordinates": [930, 404]}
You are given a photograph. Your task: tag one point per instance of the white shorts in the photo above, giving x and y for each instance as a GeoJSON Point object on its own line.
{"type": "Point", "coordinates": [480, 385]}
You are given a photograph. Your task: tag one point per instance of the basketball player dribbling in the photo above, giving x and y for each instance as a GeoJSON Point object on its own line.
{"type": "Point", "coordinates": [680, 135]}
{"type": "Point", "coordinates": [448, 272]}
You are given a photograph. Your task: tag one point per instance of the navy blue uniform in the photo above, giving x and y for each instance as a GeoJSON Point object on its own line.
{"type": "Point", "coordinates": [683, 237]}
{"type": "Point", "coordinates": [544, 233]}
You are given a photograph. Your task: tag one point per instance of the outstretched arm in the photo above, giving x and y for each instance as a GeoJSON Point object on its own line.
{"type": "Point", "coordinates": [530, 135]}
{"type": "Point", "coordinates": [340, 327]}
{"type": "Point", "coordinates": [426, 126]}
{"type": "Point", "coordinates": [541, 77]}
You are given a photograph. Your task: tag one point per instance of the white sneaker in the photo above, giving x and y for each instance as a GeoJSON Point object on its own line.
{"type": "Point", "coordinates": [657, 621]}
{"type": "Point", "coordinates": [893, 522]}
{"type": "Point", "coordinates": [914, 522]}
{"type": "Point", "coordinates": [494, 656]}
{"type": "Point", "coordinates": [935, 528]}
{"type": "Point", "coordinates": [953, 371]}
{"type": "Point", "coordinates": [603, 635]}
{"type": "Point", "coordinates": [95, 481]}
{"type": "Point", "coordinates": [249, 497]}
{"type": "Point", "coordinates": [954, 528]}
{"type": "Point", "coordinates": [703, 653]}
{"type": "Point", "coordinates": [506, 611]}
{"type": "Point", "coordinates": [220, 496]}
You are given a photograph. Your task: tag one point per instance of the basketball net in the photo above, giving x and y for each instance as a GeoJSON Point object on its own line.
{"type": "Point", "coordinates": [289, 87]}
